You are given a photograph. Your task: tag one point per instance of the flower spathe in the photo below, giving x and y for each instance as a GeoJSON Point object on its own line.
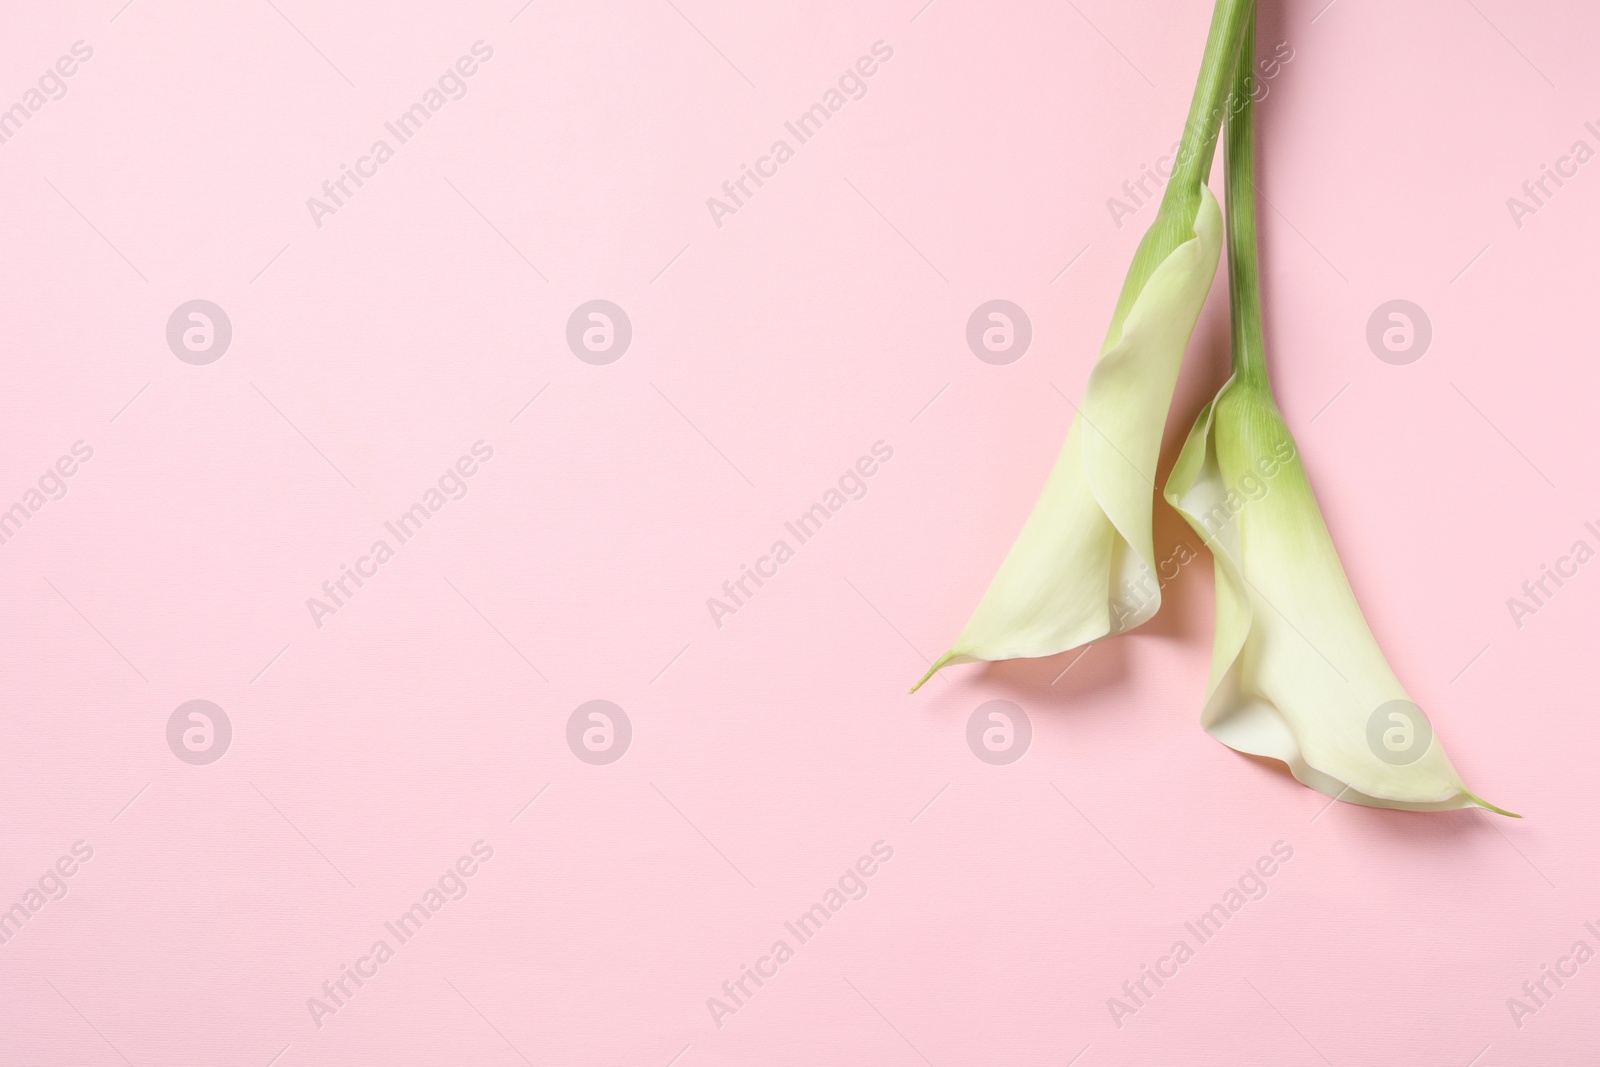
{"type": "Point", "coordinates": [1084, 565]}
{"type": "Point", "coordinates": [1064, 583]}
{"type": "Point", "coordinates": [1296, 674]}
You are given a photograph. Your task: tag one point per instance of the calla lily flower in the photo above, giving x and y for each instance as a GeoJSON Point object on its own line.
{"type": "Point", "coordinates": [1086, 550]}
{"type": "Point", "coordinates": [1296, 674]}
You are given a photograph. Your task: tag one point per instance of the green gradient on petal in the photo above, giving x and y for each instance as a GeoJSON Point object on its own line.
{"type": "Point", "coordinates": [1296, 673]}
{"type": "Point", "coordinates": [1088, 538]}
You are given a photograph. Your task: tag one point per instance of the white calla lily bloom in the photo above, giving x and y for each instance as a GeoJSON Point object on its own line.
{"type": "Point", "coordinates": [1084, 566]}
{"type": "Point", "coordinates": [1296, 674]}
{"type": "Point", "coordinates": [1087, 544]}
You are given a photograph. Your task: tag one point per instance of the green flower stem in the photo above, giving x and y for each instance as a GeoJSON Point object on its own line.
{"type": "Point", "coordinates": [1230, 21]}
{"type": "Point", "coordinates": [1174, 223]}
{"type": "Point", "coordinates": [1244, 266]}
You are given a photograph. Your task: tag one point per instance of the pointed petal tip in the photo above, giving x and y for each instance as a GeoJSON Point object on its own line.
{"type": "Point", "coordinates": [1482, 803]}
{"type": "Point", "coordinates": [933, 670]}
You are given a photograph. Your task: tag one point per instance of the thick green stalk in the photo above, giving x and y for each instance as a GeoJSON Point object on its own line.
{"type": "Point", "coordinates": [1244, 267]}
{"type": "Point", "coordinates": [1174, 223]}
{"type": "Point", "coordinates": [1230, 21]}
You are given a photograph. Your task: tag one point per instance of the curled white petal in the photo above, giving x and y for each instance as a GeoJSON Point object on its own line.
{"type": "Point", "coordinates": [1087, 544]}
{"type": "Point", "coordinates": [1296, 674]}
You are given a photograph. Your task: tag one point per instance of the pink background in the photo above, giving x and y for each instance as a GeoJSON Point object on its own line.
{"type": "Point", "coordinates": [770, 753]}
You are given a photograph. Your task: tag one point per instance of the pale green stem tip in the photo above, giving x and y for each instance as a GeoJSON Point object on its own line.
{"type": "Point", "coordinates": [933, 670]}
{"type": "Point", "coordinates": [1482, 803]}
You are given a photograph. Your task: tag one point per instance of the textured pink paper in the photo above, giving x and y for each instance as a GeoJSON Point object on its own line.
{"type": "Point", "coordinates": [772, 347]}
